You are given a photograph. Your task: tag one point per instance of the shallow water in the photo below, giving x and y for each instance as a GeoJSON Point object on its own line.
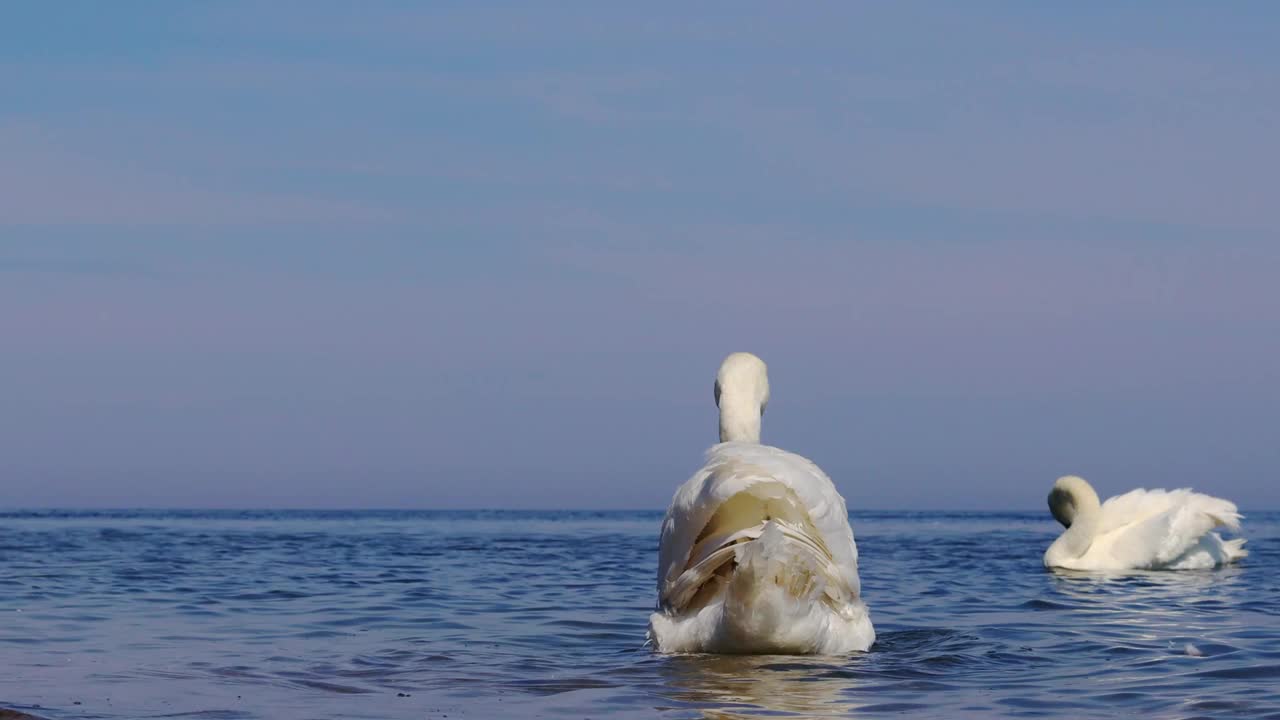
{"type": "Point", "coordinates": [495, 614]}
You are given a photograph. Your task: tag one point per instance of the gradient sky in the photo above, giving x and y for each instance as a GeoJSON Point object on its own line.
{"type": "Point", "coordinates": [409, 255]}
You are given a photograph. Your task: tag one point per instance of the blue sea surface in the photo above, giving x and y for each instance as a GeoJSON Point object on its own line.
{"type": "Point", "coordinates": [285, 615]}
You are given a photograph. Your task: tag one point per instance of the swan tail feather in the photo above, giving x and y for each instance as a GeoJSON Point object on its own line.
{"type": "Point", "coordinates": [1234, 549]}
{"type": "Point", "coordinates": [774, 597]}
{"type": "Point", "coordinates": [1226, 516]}
{"type": "Point", "coordinates": [782, 559]}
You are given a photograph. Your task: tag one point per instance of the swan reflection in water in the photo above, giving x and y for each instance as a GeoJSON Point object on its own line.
{"type": "Point", "coordinates": [758, 686]}
{"type": "Point", "coordinates": [1097, 586]}
{"type": "Point", "coordinates": [1148, 604]}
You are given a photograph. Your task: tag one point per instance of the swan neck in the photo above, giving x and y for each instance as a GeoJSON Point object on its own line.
{"type": "Point", "coordinates": [1078, 538]}
{"type": "Point", "coordinates": [739, 421]}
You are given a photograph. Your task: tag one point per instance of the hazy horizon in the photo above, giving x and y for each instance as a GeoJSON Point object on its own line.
{"type": "Point", "coordinates": [313, 255]}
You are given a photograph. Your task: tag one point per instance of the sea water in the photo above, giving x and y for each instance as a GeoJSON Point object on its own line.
{"type": "Point", "coordinates": [285, 615]}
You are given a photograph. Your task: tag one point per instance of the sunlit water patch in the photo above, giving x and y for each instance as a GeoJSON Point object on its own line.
{"type": "Point", "coordinates": [422, 615]}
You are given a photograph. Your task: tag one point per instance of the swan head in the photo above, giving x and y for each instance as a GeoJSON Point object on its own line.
{"type": "Point", "coordinates": [742, 391]}
{"type": "Point", "coordinates": [1071, 496]}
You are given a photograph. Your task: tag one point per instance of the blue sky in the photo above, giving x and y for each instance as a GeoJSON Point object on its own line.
{"type": "Point", "coordinates": [451, 255]}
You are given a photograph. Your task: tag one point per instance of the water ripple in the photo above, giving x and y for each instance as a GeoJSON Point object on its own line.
{"type": "Point", "coordinates": [255, 614]}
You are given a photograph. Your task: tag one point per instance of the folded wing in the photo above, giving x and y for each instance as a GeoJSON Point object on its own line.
{"type": "Point", "coordinates": [740, 489]}
{"type": "Point", "coordinates": [1152, 528]}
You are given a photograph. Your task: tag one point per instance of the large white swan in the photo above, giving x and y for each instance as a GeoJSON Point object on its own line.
{"type": "Point", "coordinates": [1140, 530]}
{"type": "Point", "coordinates": [757, 555]}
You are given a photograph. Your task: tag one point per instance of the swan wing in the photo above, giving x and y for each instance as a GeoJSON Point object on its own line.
{"type": "Point", "coordinates": [692, 549]}
{"type": "Point", "coordinates": [1152, 528]}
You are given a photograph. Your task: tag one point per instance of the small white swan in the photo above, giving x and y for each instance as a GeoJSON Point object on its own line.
{"type": "Point", "coordinates": [1140, 530]}
{"type": "Point", "coordinates": [757, 555]}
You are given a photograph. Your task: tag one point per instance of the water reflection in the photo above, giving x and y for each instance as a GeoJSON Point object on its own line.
{"type": "Point", "coordinates": [739, 686]}
{"type": "Point", "coordinates": [1147, 585]}
{"type": "Point", "coordinates": [1153, 606]}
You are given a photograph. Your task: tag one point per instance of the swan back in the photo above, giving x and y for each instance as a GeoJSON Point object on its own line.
{"type": "Point", "coordinates": [765, 472]}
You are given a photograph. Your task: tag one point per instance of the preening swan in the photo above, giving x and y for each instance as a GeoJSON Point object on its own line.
{"type": "Point", "coordinates": [757, 555]}
{"type": "Point", "coordinates": [1140, 530]}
